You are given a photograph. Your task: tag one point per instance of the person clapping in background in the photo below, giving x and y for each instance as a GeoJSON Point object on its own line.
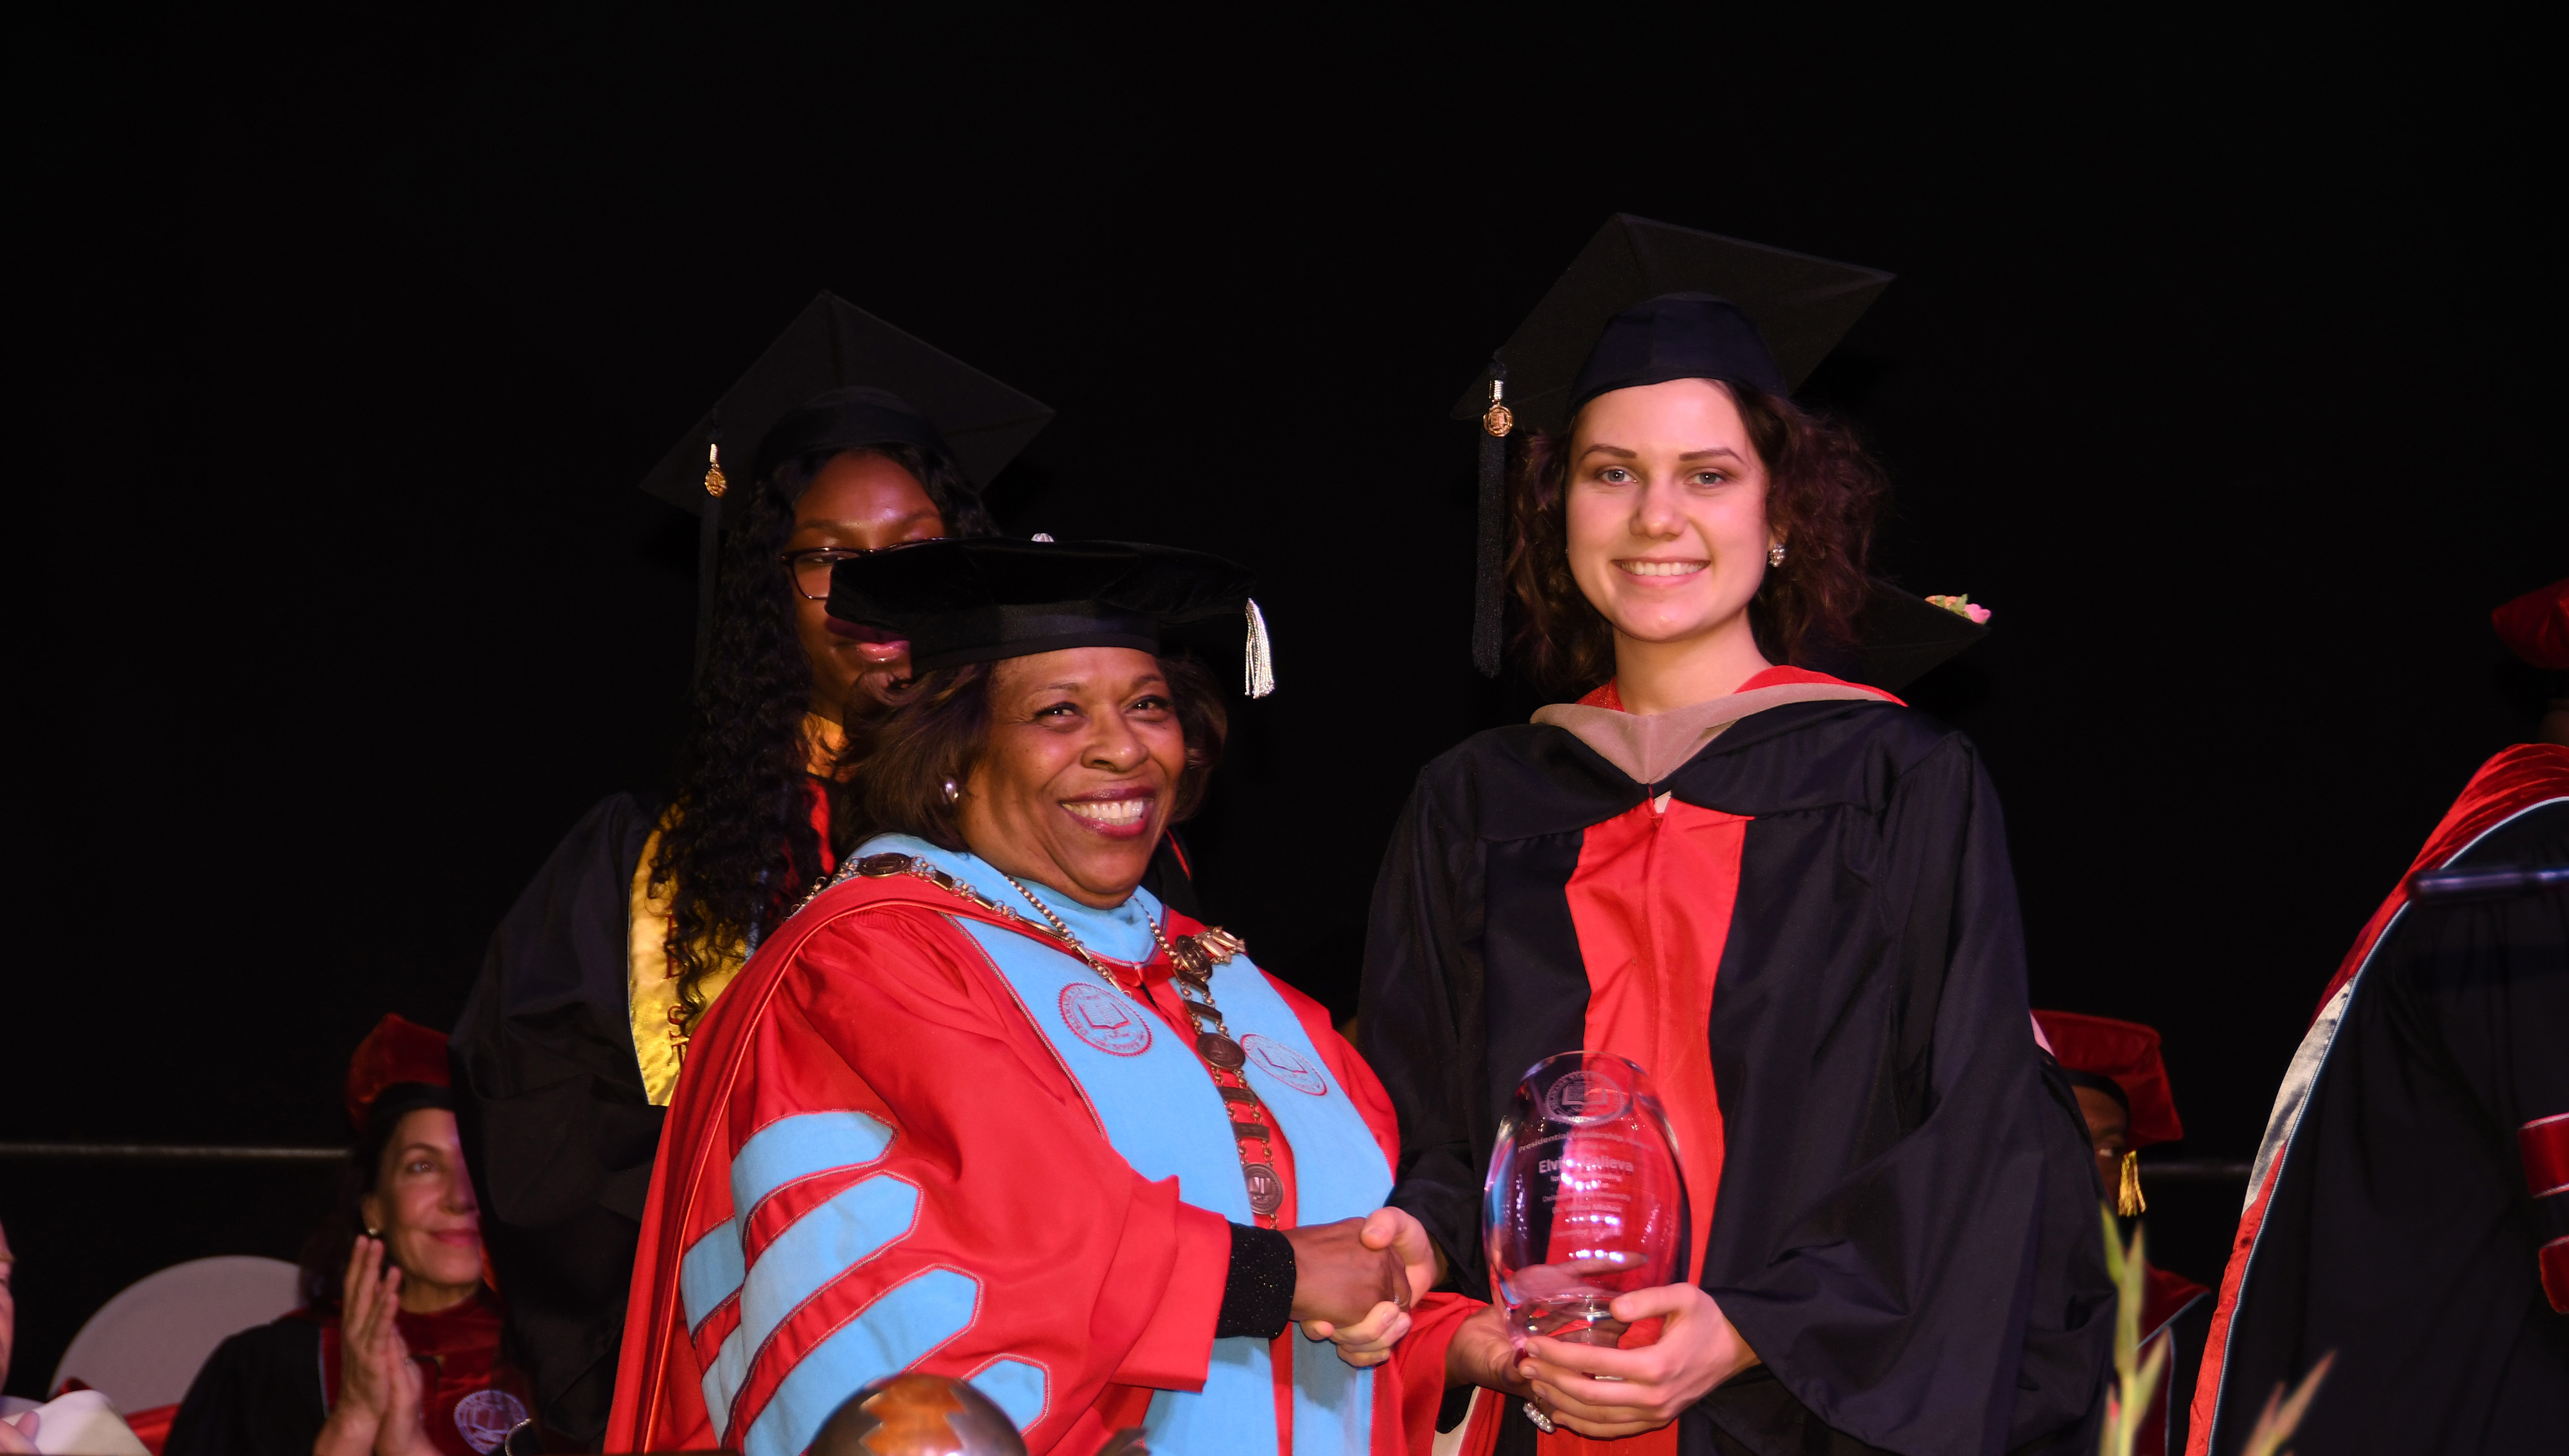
{"type": "Point", "coordinates": [397, 1348]}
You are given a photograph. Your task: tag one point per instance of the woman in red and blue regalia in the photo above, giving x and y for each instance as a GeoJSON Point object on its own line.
{"type": "Point", "coordinates": [984, 1108]}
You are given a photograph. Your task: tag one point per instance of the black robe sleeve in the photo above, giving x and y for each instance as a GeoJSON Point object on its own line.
{"type": "Point", "coordinates": [1421, 1016]}
{"type": "Point", "coordinates": [1908, 1229]}
{"type": "Point", "coordinates": [258, 1394]}
{"type": "Point", "coordinates": [556, 1125]}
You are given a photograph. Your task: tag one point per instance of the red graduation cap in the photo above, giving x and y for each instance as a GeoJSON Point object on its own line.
{"type": "Point", "coordinates": [2535, 626]}
{"type": "Point", "coordinates": [398, 1052]}
{"type": "Point", "coordinates": [2127, 1053]}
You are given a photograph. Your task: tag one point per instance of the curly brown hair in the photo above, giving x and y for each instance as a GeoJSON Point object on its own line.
{"type": "Point", "coordinates": [1823, 489]}
{"type": "Point", "coordinates": [905, 757]}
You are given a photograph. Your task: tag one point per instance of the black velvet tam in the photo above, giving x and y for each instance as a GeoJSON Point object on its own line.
{"type": "Point", "coordinates": [839, 376]}
{"type": "Point", "coordinates": [985, 598]}
{"type": "Point", "coordinates": [1633, 309]}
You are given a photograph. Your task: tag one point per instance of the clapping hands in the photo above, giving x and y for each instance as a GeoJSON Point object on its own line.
{"type": "Point", "coordinates": [376, 1410]}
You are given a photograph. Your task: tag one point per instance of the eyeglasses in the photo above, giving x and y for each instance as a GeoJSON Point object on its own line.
{"type": "Point", "coordinates": [810, 567]}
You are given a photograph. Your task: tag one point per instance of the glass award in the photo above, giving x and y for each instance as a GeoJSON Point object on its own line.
{"type": "Point", "coordinates": [1585, 1200]}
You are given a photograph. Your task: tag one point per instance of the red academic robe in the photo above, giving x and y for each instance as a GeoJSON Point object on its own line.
{"type": "Point", "coordinates": [875, 1001]}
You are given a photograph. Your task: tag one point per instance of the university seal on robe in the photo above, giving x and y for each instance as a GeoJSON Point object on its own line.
{"type": "Point", "coordinates": [1103, 1021]}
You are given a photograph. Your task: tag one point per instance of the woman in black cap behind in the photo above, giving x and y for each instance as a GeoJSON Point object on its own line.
{"type": "Point", "coordinates": [573, 1040]}
{"type": "Point", "coordinates": [1787, 896]}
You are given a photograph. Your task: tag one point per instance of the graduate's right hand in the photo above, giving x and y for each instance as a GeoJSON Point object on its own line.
{"type": "Point", "coordinates": [18, 1432]}
{"type": "Point", "coordinates": [1647, 1387]}
{"type": "Point", "coordinates": [1339, 1278]}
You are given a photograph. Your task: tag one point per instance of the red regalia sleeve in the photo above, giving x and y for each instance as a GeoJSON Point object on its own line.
{"type": "Point", "coordinates": [991, 1201]}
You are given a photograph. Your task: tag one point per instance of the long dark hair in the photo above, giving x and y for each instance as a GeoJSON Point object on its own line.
{"type": "Point", "coordinates": [1822, 491]}
{"type": "Point", "coordinates": [741, 841]}
{"type": "Point", "coordinates": [906, 757]}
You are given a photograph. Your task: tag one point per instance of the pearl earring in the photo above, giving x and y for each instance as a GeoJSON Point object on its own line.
{"type": "Point", "coordinates": [1775, 554]}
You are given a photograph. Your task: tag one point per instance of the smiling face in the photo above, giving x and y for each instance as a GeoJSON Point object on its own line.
{"type": "Point", "coordinates": [422, 1201]}
{"type": "Point", "coordinates": [858, 502]}
{"type": "Point", "coordinates": [1666, 525]}
{"type": "Point", "coordinates": [1076, 780]}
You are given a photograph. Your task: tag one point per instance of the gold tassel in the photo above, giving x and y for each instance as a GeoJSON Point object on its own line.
{"type": "Point", "coordinates": [1262, 654]}
{"type": "Point", "coordinates": [2127, 1199]}
{"type": "Point", "coordinates": [715, 484]}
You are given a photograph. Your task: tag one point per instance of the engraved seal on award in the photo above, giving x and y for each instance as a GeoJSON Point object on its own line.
{"type": "Point", "coordinates": [1585, 1200]}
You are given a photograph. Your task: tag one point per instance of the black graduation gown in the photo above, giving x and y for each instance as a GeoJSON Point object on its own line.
{"type": "Point", "coordinates": [1906, 1228]}
{"type": "Point", "coordinates": [557, 1126]}
{"type": "Point", "coordinates": [258, 1394]}
{"type": "Point", "coordinates": [2399, 1230]}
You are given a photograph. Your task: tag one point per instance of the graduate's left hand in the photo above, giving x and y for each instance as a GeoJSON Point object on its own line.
{"type": "Point", "coordinates": [1369, 1340]}
{"type": "Point", "coordinates": [1697, 1349]}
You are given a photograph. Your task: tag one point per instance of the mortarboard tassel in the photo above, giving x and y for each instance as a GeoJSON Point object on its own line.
{"type": "Point", "coordinates": [2127, 1199]}
{"type": "Point", "coordinates": [715, 481]}
{"type": "Point", "coordinates": [1262, 654]}
{"type": "Point", "coordinates": [1488, 596]}
{"type": "Point", "coordinates": [709, 550]}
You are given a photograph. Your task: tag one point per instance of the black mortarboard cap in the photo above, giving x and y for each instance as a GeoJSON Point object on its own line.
{"type": "Point", "coordinates": [832, 346]}
{"type": "Point", "coordinates": [1799, 305]}
{"type": "Point", "coordinates": [1646, 302]}
{"type": "Point", "coordinates": [838, 377]}
{"type": "Point", "coordinates": [983, 598]}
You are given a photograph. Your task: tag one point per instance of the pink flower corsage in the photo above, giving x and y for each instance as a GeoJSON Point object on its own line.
{"type": "Point", "coordinates": [1962, 606]}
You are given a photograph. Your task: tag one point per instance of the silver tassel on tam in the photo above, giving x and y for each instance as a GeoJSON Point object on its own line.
{"type": "Point", "coordinates": [1262, 654]}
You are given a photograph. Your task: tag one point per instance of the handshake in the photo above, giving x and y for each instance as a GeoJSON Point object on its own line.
{"type": "Point", "coordinates": [1354, 1282]}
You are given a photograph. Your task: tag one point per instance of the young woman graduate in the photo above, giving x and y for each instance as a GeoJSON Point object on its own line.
{"type": "Point", "coordinates": [396, 1351]}
{"type": "Point", "coordinates": [987, 1109]}
{"type": "Point", "coordinates": [573, 1037]}
{"type": "Point", "coordinates": [1787, 896]}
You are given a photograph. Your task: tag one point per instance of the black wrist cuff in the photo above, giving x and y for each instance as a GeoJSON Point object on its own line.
{"type": "Point", "coordinates": [1258, 1296]}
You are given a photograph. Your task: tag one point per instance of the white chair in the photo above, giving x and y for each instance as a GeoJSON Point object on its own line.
{"type": "Point", "coordinates": [143, 1347]}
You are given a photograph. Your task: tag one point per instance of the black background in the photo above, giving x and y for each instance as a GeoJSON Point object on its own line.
{"type": "Point", "coordinates": [2220, 365]}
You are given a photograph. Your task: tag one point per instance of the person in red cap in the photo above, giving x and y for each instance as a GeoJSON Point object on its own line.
{"type": "Point", "coordinates": [2121, 1083]}
{"type": "Point", "coordinates": [396, 1351]}
{"type": "Point", "coordinates": [2535, 627]}
{"type": "Point", "coordinates": [2408, 1209]}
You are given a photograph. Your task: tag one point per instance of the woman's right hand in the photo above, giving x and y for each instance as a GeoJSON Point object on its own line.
{"type": "Point", "coordinates": [1338, 1279]}
{"type": "Point", "coordinates": [376, 1408]}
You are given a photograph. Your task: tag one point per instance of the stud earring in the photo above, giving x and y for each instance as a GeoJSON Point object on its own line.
{"type": "Point", "coordinates": [952, 794]}
{"type": "Point", "coordinates": [1775, 554]}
